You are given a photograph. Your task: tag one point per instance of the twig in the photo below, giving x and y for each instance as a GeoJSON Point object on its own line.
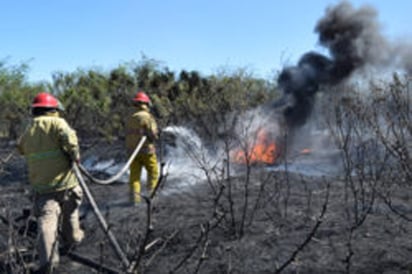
{"type": "Point", "coordinates": [8, 157]}
{"type": "Point", "coordinates": [203, 256]}
{"type": "Point", "coordinates": [149, 227]}
{"type": "Point", "coordinates": [388, 202]}
{"type": "Point", "coordinates": [89, 262]}
{"type": "Point", "coordinates": [4, 161]}
{"type": "Point", "coordinates": [149, 261]}
{"type": "Point", "coordinates": [161, 180]}
{"type": "Point", "coordinates": [135, 263]}
{"type": "Point", "coordinates": [189, 254]}
{"type": "Point", "coordinates": [309, 236]}
{"type": "Point", "coordinates": [150, 245]}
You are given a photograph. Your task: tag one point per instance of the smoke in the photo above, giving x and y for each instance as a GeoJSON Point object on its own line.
{"type": "Point", "coordinates": [182, 149]}
{"type": "Point", "coordinates": [354, 43]}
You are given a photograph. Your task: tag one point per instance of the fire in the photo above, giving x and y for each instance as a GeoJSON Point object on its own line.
{"type": "Point", "coordinates": [263, 150]}
{"type": "Point", "coordinates": [306, 151]}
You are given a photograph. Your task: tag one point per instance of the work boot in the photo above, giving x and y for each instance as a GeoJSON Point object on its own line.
{"type": "Point", "coordinates": [67, 247]}
{"type": "Point", "coordinates": [78, 236]}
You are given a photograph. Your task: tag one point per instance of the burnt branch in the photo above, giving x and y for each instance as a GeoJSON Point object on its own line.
{"type": "Point", "coordinates": [203, 256]}
{"type": "Point", "coordinates": [311, 234]}
{"type": "Point", "coordinates": [388, 202]}
{"type": "Point", "coordinates": [201, 242]}
{"type": "Point", "coordinates": [5, 160]}
{"type": "Point", "coordinates": [149, 228]}
{"type": "Point", "coordinates": [190, 253]}
{"type": "Point", "coordinates": [158, 251]}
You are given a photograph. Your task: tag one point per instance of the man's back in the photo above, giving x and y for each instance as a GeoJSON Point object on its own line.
{"type": "Point", "coordinates": [48, 145]}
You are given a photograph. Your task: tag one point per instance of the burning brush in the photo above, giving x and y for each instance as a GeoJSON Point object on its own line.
{"type": "Point", "coordinates": [261, 150]}
{"type": "Point", "coordinates": [354, 43]}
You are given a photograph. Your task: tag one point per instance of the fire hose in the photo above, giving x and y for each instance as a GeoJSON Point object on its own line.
{"type": "Point", "coordinates": [78, 169]}
{"type": "Point", "coordinates": [120, 173]}
{"type": "Point", "coordinates": [101, 219]}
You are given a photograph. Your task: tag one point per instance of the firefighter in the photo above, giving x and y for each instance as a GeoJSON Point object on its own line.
{"type": "Point", "coordinates": [50, 146]}
{"type": "Point", "coordinates": [142, 123]}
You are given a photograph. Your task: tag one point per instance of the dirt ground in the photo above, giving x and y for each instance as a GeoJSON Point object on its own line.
{"type": "Point", "coordinates": [268, 221]}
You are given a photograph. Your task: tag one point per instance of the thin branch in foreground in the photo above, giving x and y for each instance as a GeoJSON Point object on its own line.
{"type": "Point", "coordinates": [157, 252]}
{"type": "Point", "coordinates": [149, 226]}
{"type": "Point", "coordinates": [310, 236]}
{"type": "Point", "coordinates": [190, 253]}
{"type": "Point", "coordinates": [142, 248]}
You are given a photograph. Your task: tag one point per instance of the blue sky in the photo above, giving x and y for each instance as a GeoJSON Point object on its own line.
{"type": "Point", "coordinates": [204, 35]}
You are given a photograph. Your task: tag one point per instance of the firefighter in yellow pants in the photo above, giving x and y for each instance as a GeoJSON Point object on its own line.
{"type": "Point", "coordinates": [142, 123]}
{"type": "Point", "coordinates": [50, 146]}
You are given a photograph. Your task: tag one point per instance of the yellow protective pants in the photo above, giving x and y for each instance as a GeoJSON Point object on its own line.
{"type": "Point", "coordinates": [149, 162]}
{"type": "Point", "coordinates": [51, 210]}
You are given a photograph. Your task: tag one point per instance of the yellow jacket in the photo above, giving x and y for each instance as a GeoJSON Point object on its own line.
{"type": "Point", "coordinates": [49, 145]}
{"type": "Point", "coordinates": [141, 123]}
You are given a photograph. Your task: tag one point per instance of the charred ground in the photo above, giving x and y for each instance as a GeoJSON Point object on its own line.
{"type": "Point", "coordinates": [264, 221]}
{"type": "Point", "coordinates": [251, 219]}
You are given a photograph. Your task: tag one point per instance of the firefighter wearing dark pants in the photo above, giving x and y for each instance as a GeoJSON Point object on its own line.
{"type": "Point", "coordinates": [139, 124]}
{"type": "Point", "coordinates": [50, 146]}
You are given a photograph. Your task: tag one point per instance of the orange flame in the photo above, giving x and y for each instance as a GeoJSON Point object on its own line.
{"type": "Point", "coordinates": [306, 151]}
{"type": "Point", "coordinates": [263, 151]}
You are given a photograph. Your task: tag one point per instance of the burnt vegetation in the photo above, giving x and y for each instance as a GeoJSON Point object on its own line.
{"type": "Point", "coordinates": [231, 216]}
{"type": "Point", "coordinates": [245, 218]}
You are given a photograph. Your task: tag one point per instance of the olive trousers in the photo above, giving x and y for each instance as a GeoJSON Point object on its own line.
{"type": "Point", "coordinates": [58, 212]}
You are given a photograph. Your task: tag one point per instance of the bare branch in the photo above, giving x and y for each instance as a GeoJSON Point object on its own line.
{"type": "Point", "coordinates": [310, 236]}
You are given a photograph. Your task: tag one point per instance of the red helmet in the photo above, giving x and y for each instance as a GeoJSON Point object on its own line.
{"type": "Point", "coordinates": [45, 100]}
{"type": "Point", "coordinates": [141, 97]}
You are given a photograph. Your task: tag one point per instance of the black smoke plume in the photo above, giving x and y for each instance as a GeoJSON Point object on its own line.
{"type": "Point", "coordinates": [353, 41]}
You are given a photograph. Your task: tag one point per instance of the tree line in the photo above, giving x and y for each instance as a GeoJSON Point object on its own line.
{"type": "Point", "coordinates": [98, 102]}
